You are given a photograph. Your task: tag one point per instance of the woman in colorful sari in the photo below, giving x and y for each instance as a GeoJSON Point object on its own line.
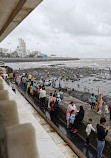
{"type": "Point", "coordinates": [71, 107]}
{"type": "Point", "coordinates": [99, 104]}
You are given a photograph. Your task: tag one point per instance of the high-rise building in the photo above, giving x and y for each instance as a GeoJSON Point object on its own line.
{"type": "Point", "coordinates": [22, 47]}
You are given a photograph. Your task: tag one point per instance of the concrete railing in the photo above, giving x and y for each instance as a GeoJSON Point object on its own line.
{"type": "Point", "coordinates": [20, 141]}
{"type": "Point", "coordinates": [1, 86]}
{"type": "Point", "coordinates": [16, 140]}
{"type": "Point", "coordinates": [4, 95]}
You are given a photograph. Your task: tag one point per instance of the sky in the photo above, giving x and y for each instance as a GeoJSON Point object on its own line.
{"type": "Point", "coordinates": [69, 28]}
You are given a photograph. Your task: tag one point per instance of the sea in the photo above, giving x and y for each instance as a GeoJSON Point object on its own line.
{"type": "Point", "coordinates": [94, 63]}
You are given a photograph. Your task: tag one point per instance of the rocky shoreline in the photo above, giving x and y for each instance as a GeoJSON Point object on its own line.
{"type": "Point", "coordinates": [80, 82]}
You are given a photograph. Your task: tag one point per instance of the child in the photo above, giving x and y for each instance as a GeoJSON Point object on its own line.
{"type": "Point", "coordinates": [88, 131]}
{"type": "Point", "coordinates": [72, 118]}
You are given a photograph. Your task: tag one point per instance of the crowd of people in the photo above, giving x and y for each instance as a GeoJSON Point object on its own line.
{"type": "Point", "coordinates": [36, 89]}
{"type": "Point", "coordinates": [74, 116]}
{"type": "Point", "coordinates": [102, 107]}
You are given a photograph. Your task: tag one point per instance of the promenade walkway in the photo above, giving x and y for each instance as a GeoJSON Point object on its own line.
{"type": "Point", "coordinates": [49, 143]}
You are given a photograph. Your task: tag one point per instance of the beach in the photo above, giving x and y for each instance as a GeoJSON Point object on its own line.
{"type": "Point", "coordinates": [85, 76]}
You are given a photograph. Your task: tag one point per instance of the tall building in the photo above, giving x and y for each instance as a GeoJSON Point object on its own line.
{"type": "Point", "coordinates": [22, 47]}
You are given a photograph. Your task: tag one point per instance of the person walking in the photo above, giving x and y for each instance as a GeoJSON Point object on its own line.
{"type": "Point", "coordinates": [99, 104]}
{"type": "Point", "coordinates": [88, 131]}
{"type": "Point", "coordinates": [52, 110]}
{"type": "Point", "coordinates": [31, 90]}
{"type": "Point", "coordinates": [28, 86]}
{"type": "Point", "coordinates": [50, 99]}
{"type": "Point", "coordinates": [42, 97]}
{"type": "Point", "coordinates": [101, 134]}
{"type": "Point", "coordinates": [72, 118]}
{"type": "Point", "coordinates": [78, 119]}
{"type": "Point", "coordinates": [71, 107]}
{"type": "Point", "coordinates": [60, 93]}
{"type": "Point", "coordinates": [92, 99]}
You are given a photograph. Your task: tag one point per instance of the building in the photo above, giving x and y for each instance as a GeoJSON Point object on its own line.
{"type": "Point", "coordinates": [22, 48]}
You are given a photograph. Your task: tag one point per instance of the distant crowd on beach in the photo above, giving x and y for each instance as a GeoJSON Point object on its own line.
{"type": "Point", "coordinates": [37, 89]}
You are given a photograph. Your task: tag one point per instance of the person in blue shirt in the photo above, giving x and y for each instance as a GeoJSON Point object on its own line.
{"type": "Point", "coordinates": [34, 88]}
{"type": "Point", "coordinates": [92, 99]}
{"type": "Point", "coordinates": [72, 118]}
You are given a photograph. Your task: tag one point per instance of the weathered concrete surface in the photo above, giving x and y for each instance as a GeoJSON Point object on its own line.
{"type": "Point", "coordinates": [49, 144]}
{"type": "Point", "coordinates": [20, 141]}
{"type": "Point", "coordinates": [1, 86]}
{"type": "Point", "coordinates": [1, 82]}
{"type": "Point", "coordinates": [8, 113]}
{"type": "Point", "coordinates": [4, 95]}
{"type": "Point", "coordinates": [8, 117]}
{"type": "Point", "coordinates": [88, 114]}
{"type": "Point", "coordinates": [13, 12]}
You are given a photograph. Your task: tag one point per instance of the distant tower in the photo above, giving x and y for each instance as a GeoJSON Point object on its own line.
{"type": "Point", "coordinates": [22, 47]}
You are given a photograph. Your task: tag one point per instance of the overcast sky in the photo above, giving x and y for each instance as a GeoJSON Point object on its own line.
{"type": "Point", "coordinates": [74, 28]}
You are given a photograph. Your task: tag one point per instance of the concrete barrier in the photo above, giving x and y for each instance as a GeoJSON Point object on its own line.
{"type": "Point", "coordinates": [8, 113]}
{"type": "Point", "coordinates": [1, 86]}
{"type": "Point", "coordinates": [21, 142]}
{"type": "Point", "coordinates": [8, 117]}
{"type": "Point", "coordinates": [4, 95]}
{"type": "Point", "coordinates": [1, 82]}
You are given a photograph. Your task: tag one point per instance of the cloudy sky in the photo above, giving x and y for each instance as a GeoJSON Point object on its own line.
{"type": "Point", "coordinates": [71, 28]}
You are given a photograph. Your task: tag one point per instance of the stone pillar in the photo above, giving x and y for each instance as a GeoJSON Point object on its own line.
{"type": "Point", "coordinates": [4, 95]}
{"type": "Point", "coordinates": [1, 86]}
{"type": "Point", "coordinates": [21, 141]}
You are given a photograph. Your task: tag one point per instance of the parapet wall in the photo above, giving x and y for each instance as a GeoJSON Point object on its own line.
{"type": "Point", "coordinates": [16, 140]}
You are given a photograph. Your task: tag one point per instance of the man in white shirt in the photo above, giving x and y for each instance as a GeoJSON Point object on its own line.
{"type": "Point", "coordinates": [42, 97]}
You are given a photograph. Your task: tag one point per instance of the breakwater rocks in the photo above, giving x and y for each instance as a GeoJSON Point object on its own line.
{"type": "Point", "coordinates": [36, 59]}
{"type": "Point", "coordinates": [80, 82]}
